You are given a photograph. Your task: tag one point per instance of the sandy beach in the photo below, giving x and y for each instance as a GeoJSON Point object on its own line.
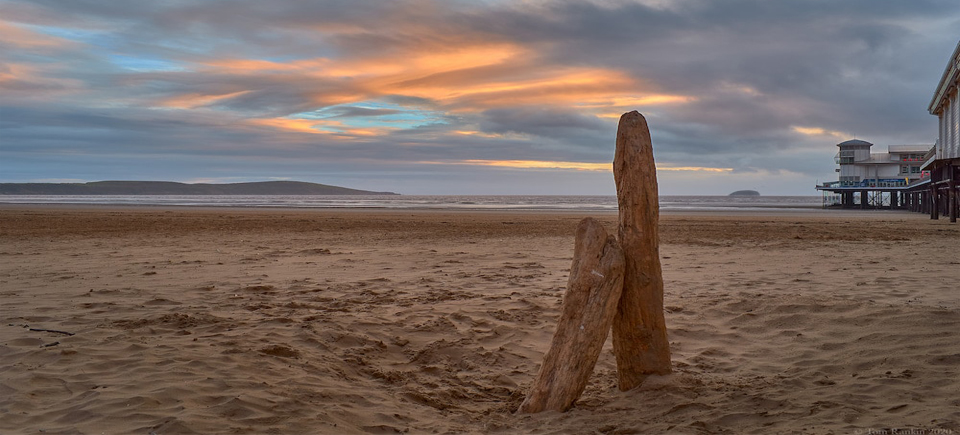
{"type": "Point", "coordinates": [178, 321]}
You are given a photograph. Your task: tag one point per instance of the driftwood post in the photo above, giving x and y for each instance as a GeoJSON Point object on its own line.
{"type": "Point", "coordinates": [593, 291]}
{"type": "Point", "coordinates": [639, 331]}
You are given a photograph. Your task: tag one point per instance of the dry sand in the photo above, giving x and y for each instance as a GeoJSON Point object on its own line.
{"type": "Point", "coordinates": [287, 321]}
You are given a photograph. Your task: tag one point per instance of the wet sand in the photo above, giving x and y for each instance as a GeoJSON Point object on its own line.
{"type": "Point", "coordinates": [324, 321]}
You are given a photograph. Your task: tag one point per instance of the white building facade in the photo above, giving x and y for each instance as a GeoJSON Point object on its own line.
{"type": "Point", "coordinates": [946, 106]}
{"type": "Point", "coordinates": [944, 164]}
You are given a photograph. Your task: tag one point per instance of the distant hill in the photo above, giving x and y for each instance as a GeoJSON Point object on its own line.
{"type": "Point", "coordinates": [745, 193]}
{"type": "Point", "coordinates": [172, 188]}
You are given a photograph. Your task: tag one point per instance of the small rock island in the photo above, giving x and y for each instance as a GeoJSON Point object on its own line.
{"type": "Point", "coordinates": [745, 193]}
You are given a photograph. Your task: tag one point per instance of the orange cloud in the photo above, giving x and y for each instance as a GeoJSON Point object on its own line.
{"type": "Point", "coordinates": [817, 131]}
{"type": "Point", "coordinates": [399, 67]}
{"type": "Point", "coordinates": [740, 89]}
{"type": "Point", "coordinates": [318, 126]}
{"type": "Point", "coordinates": [22, 80]}
{"type": "Point", "coordinates": [460, 58]}
{"type": "Point", "coordinates": [11, 71]}
{"type": "Point", "coordinates": [299, 125]}
{"type": "Point", "coordinates": [464, 78]}
{"type": "Point", "coordinates": [538, 164]}
{"type": "Point", "coordinates": [580, 166]}
{"type": "Point", "coordinates": [643, 100]}
{"type": "Point", "coordinates": [478, 134]}
{"type": "Point", "coordinates": [484, 88]}
{"type": "Point", "coordinates": [590, 90]}
{"type": "Point", "coordinates": [250, 65]}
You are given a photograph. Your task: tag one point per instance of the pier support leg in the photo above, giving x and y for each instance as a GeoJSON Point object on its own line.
{"type": "Point", "coordinates": [863, 199]}
{"type": "Point", "coordinates": [952, 194]}
{"type": "Point", "coordinates": [934, 204]}
{"type": "Point", "coordinates": [894, 200]}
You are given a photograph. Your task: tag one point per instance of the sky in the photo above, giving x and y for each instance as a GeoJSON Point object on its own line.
{"type": "Point", "coordinates": [463, 96]}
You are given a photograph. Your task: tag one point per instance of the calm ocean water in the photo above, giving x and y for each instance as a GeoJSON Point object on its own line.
{"type": "Point", "coordinates": [440, 202]}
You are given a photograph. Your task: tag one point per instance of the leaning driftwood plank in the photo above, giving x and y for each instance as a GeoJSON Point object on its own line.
{"type": "Point", "coordinates": [593, 290]}
{"type": "Point", "coordinates": [639, 330]}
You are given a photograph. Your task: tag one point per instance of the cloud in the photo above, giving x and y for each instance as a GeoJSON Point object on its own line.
{"type": "Point", "coordinates": [817, 131]}
{"type": "Point", "coordinates": [738, 84]}
{"type": "Point", "coordinates": [540, 121]}
{"type": "Point", "coordinates": [577, 166]}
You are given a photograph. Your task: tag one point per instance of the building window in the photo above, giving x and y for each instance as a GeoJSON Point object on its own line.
{"type": "Point", "coordinates": [849, 180]}
{"type": "Point", "coordinates": [846, 157]}
{"type": "Point", "coordinates": [904, 169]}
{"type": "Point", "coordinates": [911, 157]}
{"type": "Point", "coordinates": [914, 169]}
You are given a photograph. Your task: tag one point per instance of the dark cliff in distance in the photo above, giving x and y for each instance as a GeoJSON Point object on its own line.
{"type": "Point", "coordinates": [745, 193]}
{"type": "Point", "coordinates": [172, 188]}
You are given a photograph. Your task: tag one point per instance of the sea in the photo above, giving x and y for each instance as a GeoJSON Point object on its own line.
{"type": "Point", "coordinates": [431, 202]}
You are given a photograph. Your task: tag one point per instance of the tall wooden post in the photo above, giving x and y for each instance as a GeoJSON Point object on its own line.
{"type": "Point", "coordinates": [639, 329]}
{"type": "Point", "coordinates": [593, 291]}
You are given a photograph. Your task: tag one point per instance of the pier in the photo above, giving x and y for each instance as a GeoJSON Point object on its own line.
{"type": "Point", "coordinates": [919, 178]}
{"type": "Point", "coordinates": [937, 193]}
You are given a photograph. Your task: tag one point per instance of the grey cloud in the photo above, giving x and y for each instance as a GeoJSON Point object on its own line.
{"type": "Point", "coordinates": [563, 134]}
{"type": "Point", "coordinates": [538, 121]}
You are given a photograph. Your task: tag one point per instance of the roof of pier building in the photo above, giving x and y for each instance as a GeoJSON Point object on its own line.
{"type": "Point", "coordinates": [854, 142]}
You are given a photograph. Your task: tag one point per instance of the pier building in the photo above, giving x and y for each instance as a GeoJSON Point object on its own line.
{"type": "Point", "coordinates": [874, 180]}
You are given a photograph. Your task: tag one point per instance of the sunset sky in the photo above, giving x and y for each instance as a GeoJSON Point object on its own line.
{"type": "Point", "coordinates": [463, 97]}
